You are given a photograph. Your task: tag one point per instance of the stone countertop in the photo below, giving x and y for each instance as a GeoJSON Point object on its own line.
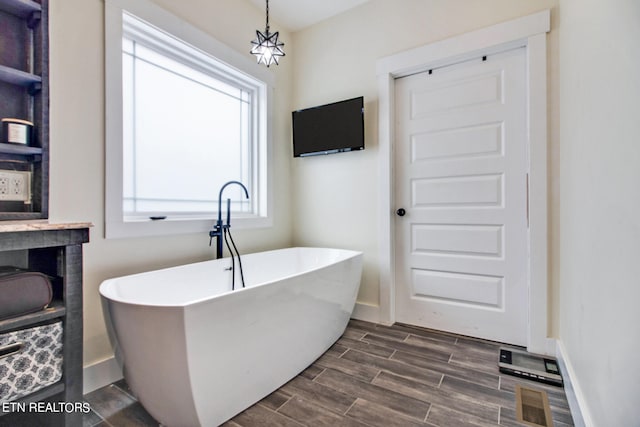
{"type": "Point", "coordinates": [39, 225]}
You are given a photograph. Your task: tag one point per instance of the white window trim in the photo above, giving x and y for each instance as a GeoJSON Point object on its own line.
{"type": "Point", "coordinates": [115, 224]}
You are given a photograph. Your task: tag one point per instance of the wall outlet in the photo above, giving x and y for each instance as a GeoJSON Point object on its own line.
{"type": "Point", "coordinates": [15, 186]}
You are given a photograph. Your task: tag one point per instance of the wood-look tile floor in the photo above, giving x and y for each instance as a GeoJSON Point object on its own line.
{"type": "Point", "coordinates": [374, 376]}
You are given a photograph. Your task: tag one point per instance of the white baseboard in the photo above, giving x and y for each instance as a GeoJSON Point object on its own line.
{"type": "Point", "coordinates": [100, 374]}
{"type": "Point", "coordinates": [543, 346]}
{"type": "Point", "coordinates": [575, 396]}
{"type": "Point", "coordinates": [366, 312]}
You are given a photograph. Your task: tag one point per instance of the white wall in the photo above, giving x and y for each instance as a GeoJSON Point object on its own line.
{"type": "Point", "coordinates": [593, 159]}
{"type": "Point", "coordinates": [599, 268]}
{"type": "Point", "coordinates": [77, 147]}
{"type": "Point", "coordinates": [336, 197]}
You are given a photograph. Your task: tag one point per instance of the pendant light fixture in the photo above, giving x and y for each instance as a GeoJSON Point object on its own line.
{"type": "Point", "coordinates": [267, 48]}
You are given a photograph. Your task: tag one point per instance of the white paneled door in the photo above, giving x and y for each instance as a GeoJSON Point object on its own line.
{"type": "Point", "coordinates": [461, 198]}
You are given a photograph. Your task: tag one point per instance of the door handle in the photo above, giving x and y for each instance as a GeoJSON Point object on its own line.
{"type": "Point", "coordinates": [401, 212]}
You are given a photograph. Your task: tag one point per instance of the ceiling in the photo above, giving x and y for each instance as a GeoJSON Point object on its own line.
{"type": "Point", "coordinates": [295, 15]}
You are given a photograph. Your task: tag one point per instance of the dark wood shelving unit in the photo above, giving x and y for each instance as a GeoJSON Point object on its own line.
{"type": "Point", "coordinates": [24, 94]}
{"type": "Point", "coordinates": [56, 250]}
{"type": "Point", "coordinates": [53, 249]}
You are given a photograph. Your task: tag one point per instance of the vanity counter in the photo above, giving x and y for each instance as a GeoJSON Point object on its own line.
{"type": "Point", "coordinates": [40, 225]}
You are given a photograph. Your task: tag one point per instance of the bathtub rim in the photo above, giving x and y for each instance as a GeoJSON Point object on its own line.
{"type": "Point", "coordinates": [107, 284]}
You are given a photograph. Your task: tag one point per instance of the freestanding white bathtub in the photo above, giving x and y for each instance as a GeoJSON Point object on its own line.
{"type": "Point", "coordinates": [196, 353]}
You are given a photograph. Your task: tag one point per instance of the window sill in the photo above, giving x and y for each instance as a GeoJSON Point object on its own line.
{"type": "Point", "coordinates": [174, 226]}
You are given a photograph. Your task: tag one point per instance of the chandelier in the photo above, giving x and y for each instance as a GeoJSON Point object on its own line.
{"type": "Point", "coordinates": [266, 47]}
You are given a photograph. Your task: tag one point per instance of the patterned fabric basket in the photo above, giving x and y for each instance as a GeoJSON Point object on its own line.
{"type": "Point", "coordinates": [30, 359]}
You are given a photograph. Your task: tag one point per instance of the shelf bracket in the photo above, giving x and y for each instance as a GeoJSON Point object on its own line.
{"type": "Point", "coordinates": [34, 19]}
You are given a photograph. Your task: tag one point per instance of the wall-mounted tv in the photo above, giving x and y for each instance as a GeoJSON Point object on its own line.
{"type": "Point", "coordinates": [332, 128]}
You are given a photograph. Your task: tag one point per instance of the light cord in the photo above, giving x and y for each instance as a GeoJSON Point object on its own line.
{"type": "Point", "coordinates": [267, 16]}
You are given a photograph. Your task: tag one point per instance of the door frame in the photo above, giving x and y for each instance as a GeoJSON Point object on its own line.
{"type": "Point", "coordinates": [528, 32]}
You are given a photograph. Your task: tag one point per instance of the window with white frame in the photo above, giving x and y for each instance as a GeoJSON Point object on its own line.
{"type": "Point", "coordinates": [185, 123]}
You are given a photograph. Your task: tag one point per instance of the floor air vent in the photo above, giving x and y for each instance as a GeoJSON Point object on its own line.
{"type": "Point", "coordinates": [532, 407]}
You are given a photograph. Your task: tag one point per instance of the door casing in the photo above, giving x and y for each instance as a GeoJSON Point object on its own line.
{"type": "Point", "coordinates": [528, 32]}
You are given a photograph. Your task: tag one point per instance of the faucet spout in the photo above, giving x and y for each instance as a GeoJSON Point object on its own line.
{"type": "Point", "coordinates": [246, 193]}
{"type": "Point", "coordinates": [219, 228]}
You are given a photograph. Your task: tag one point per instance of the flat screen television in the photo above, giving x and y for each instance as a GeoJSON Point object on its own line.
{"type": "Point", "coordinates": [332, 128]}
